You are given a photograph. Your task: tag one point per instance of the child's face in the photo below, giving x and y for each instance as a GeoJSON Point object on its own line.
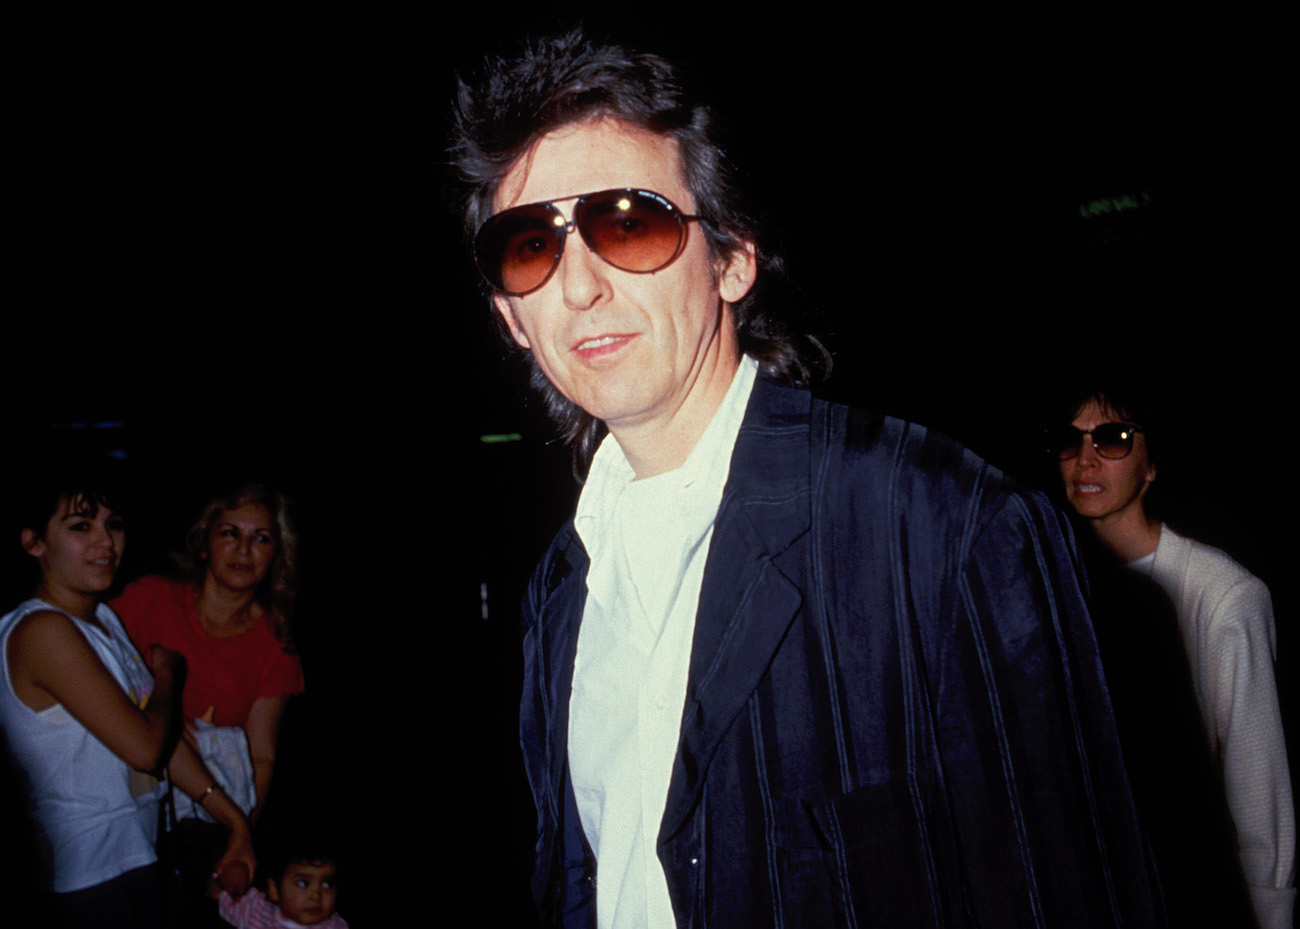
{"type": "Point", "coordinates": [306, 892]}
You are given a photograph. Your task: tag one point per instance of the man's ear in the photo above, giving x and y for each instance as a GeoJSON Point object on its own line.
{"type": "Point", "coordinates": [738, 272]}
{"type": "Point", "coordinates": [507, 312]}
{"type": "Point", "coordinates": [32, 545]}
{"type": "Point", "coordinates": [272, 890]}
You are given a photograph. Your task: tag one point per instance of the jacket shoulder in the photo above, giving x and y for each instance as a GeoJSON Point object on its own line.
{"type": "Point", "coordinates": [923, 476]}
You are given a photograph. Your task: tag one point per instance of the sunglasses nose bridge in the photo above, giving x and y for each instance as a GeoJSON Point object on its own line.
{"type": "Point", "coordinates": [568, 230]}
{"type": "Point", "coordinates": [562, 222]}
{"type": "Point", "coordinates": [563, 226]}
{"type": "Point", "coordinates": [565, 229]}
{"type": "Point", "coordinates": [1088, 453]}
{"type": "Point", "coordinates": [578, 270]}
{"type": "Point", "coordinates": [566, 226]}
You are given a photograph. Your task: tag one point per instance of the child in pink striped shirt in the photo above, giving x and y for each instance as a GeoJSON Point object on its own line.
{"type": "Point", "coordinates": [303, 893]}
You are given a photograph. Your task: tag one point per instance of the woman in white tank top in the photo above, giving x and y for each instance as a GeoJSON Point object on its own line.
{"type": "Point", "coordinates": [90, 724]}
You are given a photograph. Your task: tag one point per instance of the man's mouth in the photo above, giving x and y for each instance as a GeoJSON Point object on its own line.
{"type": "Point", "coordinates": [598, 346]}
{"type": "Point", "coordinates": [603, 341]}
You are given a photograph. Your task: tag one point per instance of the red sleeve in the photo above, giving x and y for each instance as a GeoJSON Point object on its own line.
{"type": "Point", "coordinates": [281, 675]}
{"type": "Point", "coordinates": [137, 607]}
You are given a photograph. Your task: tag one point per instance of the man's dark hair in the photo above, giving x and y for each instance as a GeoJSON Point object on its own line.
{"type": "Point", "coordinates": [503, 111]}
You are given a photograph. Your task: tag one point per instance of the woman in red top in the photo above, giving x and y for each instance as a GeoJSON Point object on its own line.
{"type": "Point", "coordinates": [230, 619]}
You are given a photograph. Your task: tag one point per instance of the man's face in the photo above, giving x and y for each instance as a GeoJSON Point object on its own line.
{"type": "Point", "coordinates": [630, 349]}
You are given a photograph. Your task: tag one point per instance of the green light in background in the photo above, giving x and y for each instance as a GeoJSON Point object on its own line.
{"type": "Point", "coordinates": [1107, 205]}
{"type": "Point", "coordinates": [496, 438]}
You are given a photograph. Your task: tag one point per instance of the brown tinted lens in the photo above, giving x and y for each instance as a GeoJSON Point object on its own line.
{"type": "Point", "coordinates": [631, 229]}
{"type": "Point", "coordinates": [1113, 440]}
{"type": "Point", "coordinates": [517, 250]}
{"type": "Point", "coordinates": [1065, 442]}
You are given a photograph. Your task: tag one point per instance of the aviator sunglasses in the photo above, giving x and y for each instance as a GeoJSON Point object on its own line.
{"type": "Point", "coordinates": [518, 249]}
{"type": "Point", "coordinates": [1111, 440]}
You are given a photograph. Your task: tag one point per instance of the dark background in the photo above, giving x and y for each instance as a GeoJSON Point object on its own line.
{"type": "Point", "coordinates": [231, 240]}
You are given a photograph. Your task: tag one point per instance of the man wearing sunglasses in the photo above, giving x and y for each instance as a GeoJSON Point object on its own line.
{"type": "Point", "coordinates": [791, 664]}
{"type": "Point", "coordinates": [1225, 618]}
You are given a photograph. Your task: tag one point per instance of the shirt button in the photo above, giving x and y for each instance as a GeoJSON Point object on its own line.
{"type": "Point", "coordinates": [695, 862]}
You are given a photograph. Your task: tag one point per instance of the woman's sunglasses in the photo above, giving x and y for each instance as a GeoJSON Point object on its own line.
{"type": "Point", "coordinates": [1111, 440]}
{"type": "Point", "coordinates": [518, 249]}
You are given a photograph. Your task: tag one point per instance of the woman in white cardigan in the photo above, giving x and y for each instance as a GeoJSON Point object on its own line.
{"type": "Point", "coordinates": [1225, 618]}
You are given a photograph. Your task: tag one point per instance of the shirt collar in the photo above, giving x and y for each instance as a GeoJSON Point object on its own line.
{"type": "Point", "coordinates": [692, 491]}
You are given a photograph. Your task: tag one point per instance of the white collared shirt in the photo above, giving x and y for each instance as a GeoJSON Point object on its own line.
{"type": "Point", "coordinates": [648, 542]}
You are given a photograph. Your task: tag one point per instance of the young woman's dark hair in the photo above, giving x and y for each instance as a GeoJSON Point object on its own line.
{"type": "Point", "coordinates": [88, 481]}
{"type": "Point", "coordinates": [94, 482]}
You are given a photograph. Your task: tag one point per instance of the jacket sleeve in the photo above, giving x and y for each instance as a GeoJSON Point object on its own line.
{"type": "Point", "coordinates": [1044, 813]}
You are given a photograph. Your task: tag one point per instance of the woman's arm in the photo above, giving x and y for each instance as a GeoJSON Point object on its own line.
{"type": "Point", "coordinates": [189, 775]}
{"type": "Point", "coordinates": [51, 662]}
{"type": "Point", "coordinates": [263, 732]}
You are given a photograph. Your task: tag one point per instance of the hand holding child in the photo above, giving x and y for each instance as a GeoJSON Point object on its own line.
{"type": "Point", "coordinates": [232, 877]}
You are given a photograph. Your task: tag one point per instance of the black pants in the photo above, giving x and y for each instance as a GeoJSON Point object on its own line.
{"type": "Point", "coordinates": [193, 849]}
{"type": "Point", "coordinates": [129, 901]}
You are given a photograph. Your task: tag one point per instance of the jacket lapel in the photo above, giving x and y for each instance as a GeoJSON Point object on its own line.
{"type": "Point", "coordinates": [566, 593]}
{"type": "Point", "coordinates": [748, 598]}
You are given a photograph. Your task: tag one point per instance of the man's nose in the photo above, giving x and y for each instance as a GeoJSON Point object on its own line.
{"type": "Point", "coordinates": [583, 274]}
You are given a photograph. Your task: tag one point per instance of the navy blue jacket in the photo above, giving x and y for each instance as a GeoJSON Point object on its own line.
{"type": "Point", "coordinates": [895, 714]}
